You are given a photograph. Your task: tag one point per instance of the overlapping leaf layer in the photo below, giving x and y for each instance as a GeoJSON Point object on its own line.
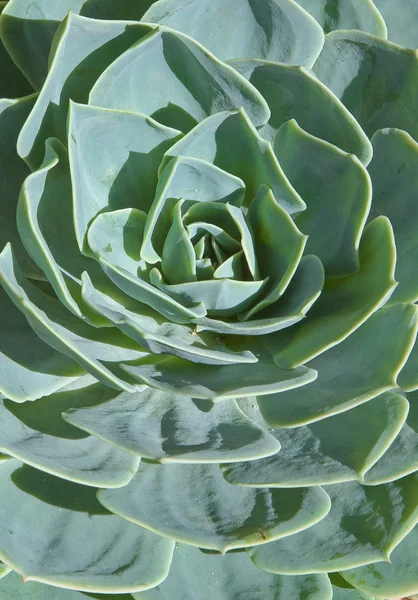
{"type": "Point", "coordinates": [208, 288]}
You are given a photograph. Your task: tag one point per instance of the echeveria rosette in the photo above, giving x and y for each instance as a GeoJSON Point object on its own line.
{"type": "Point", "coordinates": [208, 368]}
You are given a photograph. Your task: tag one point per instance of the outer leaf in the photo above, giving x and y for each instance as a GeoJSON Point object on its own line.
{"type": "Point", "coordinates": [195, 574]}
{"type": "Point", "coordinates": [191, 84]}
{"type": "Point", "coordinates": [273, 29]}
{"type": "Point", "coordinates": [394, 174]}
{"type": "Point", "coordinates": [295, 93]}
{"type": "Point", "coordinates": [364, 525]}
{"type": "Point", "coordinates": [187, 496]}
{"type": "Point", "coordinates": [345, 303]}
{"type": "Point", "coordinates": [74, 68]}
{"type": "Point", "coordinates": [171, 428]}
{"type": "Point", "coordinates": [378, 84]}
{"type": "Point", "coordinates": [363, 366]}
{"type": "Point", "coordinates": [347, 14]}
{"type": "Point", "coordinates": [337, 449]}
{"type": "Point", "coordinates": [337, 190]}
{"type": "Point", "coordinates": [103, 553]}
{"type": "Point", "coordinates": [401, 19]}
{"type": "Point", "coordinates": [342, 590]}
{"type": "Point", "coordinates": [13, 83]}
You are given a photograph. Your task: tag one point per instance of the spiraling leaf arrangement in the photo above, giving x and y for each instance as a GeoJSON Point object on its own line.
{"type": "Point", "coordinates": [208, 357]}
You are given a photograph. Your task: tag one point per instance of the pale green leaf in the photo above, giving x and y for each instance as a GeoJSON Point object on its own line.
{"type": "Point", "coordinates": [347, 14]}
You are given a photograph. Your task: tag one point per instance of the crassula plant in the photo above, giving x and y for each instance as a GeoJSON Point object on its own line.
{"type": "Point", "coordinates": [208, 269]}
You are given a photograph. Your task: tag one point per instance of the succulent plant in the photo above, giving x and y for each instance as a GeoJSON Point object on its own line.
{"type": "Point", "coordinates": [208, 356]}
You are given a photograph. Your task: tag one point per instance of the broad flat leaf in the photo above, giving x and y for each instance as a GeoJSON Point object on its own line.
{"type": "Point", "coordinates": [364, 525]}
{"type": "Point", "coordinates": [94, 349]}
{"type": "Point", "coordinates": [36, 434]}
{"type": "Point", "coordinates": [176, 500]}
{"type": "Point", "coordinates": [347, 14]}
{"type": "Point", "coordinates": [114, 158]}
{"type": "Point", "coordinates": [395, 579]}
{"type": "Point", "coordinates": [408, 377]}
{"type": "Point", "coordinates": [337, 190]}
{"type": "Point", "coordinates": [277, 30]}
{"type": "Point", "coordinates": [191, 84]}
{"type": "Point", "coordinates": [213, 382]}
{"type": "Point", "coordinates": [13, 84]}
{"type": "Point", "coordinates": [345, 303]}
{"type": "Point", "coordinates": [103, 553]}
{"type": "Point", "coordinates": [301, 293]}
{"type": "Point", "coordinates": [340, 448]}
{"type": "Point", "coordinates": [201, 576]}
{"type": "Point", "coordinates": [75, 66]}
{"type": "Point", "coordinates": [363, 366]}
{"type": "Point", "coordinates": [13, 171]}
{"type": "Point", "coordinates": [295, 93]}
{"type": "Point", "coordinates": [401, 458]}
{"type": "Point", "coordinates": [162, 337]}
{"type": "Point", "coordinates": [216, 140]}
{"type": "Point", "coordinates": [29, 367]}
{"type": "Point", "coordinates": [14, 588]}
{"type": "Point", "coordinates": [378, 84]}
{"type": "Point", "coordinates": [171, 428]}
{"type": "Point", "coordinates": [394, 174]}
{"type": "Point", "coordinates": [28, 28]}
{"type": "Point", "coordinates": [401, 21]}
{"type": "Point", "coordinates": [342, 590]}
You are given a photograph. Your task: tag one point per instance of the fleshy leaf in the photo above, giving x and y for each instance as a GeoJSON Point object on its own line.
{"type": "Point", "coordinates": [212, 382]}
{"type": "Point", "coordinates": [13, 84]}
{"type": "Point", "coordinates": [191, 84]}
{"type": "Point", "coordinates": [273, 29]}
{"type": "Point", "coordinates": [74, 68]}
{"type": "Point", "coordinates": [103, 553]}
{"type": "Point", "coordinates": [94, 349]}
{"type": "Point", "coordinates": [114, 158]}
{"type": "Point", "coordinates": [394, 174]}
{"type": "Point", "coordinates": [401, 21]}
{"type": "Point", "coordinates": [378, 84]}
{"type": "Point", "coordinates": [347, 14]}
{"type": "Point", "coordinates": [340, 448]}
{"type": "Point", "coordinates": [337, 190]}
{"type": "Point", "coordinates": [360, 368]}
{"type": "Point", "coordinates": [364, 525]}
{"type": "Point", "coordinates": [295, 93]}
{"type": "Point", "coordinates": [217, 140]}
{"type": "Point", "coordinates": [201, 576]}
{"type": "Point", "coordinates": [171, 428]}
{"type": "Point", "coordinates": [186, 496]}
{"type": "Point", "coordinates": [342, 590]}
{"type": "Point", "coordinates": [345, 303]}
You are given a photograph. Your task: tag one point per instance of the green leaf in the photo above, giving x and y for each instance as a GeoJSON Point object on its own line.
{"type": "Point", "coordinates": [13, 171]}
{"type": "Point", "coordinates": [401, 21]}
{"type": "Point", "coordinates": [401, 458]}
{"type": "Point", "coordinates": [193, 180]}
{"type": "Point", "coordinates": [75, 67]}
{"type": "Point", "coordinates": [342, 590]}
{"type": "Point", "coordinates": [396, 578]}
{"type": "Point", "coordinates": [212, 382]}
{"type": "Point", "coordinates": [159, 336]}
{"type": "Point", "coordinates": [94, 349]}
{"type": "Point", "coordinates": [36, 434]}
{"type": "Point", "coordinates": [340, 448]}
{"type": "Point", "coordinates": [114, 158]}
{"type": "Point", "coordinates": [103, 553]}
{"type": "Point", "coordinates": [191, 84]}
{"type": "Point", "coordinates": [408, 377]}
{"type": "Point", "coordinates": [363, 366]}
{"type": "Point", "coordinates": [201, 576]}
{"type": "Point", "coordinates": [378, 83]}
{"type": "Point", "coordinates": [345, 303]}
{"type": "Point", "coordinates": [178, 260]}
{"type": "Point", "coordinates": [347, 14]}
{"type": "Point", "coordinates": [216, 140]}
{"type": "Point", "coordinates": [295, 93]}
{"type": "Point", "coordinates": [394, 174]}
{"type": "Point", "coordinates": [174, 429]}
{"type": "Point", "coordinates": [13, 83]}
{"type": "Point", "coordinates": [337, 190]}
{"type": "Point", "coordinates": [179, 498]}
{"type": "Point", "coordinates": [364, 525]}
{"type": "Point", "coordinates": [29, 367]}
{"type": "Point", "coordinates": [278, 30]}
